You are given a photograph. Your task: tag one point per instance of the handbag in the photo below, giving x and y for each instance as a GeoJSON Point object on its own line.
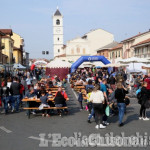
{"type": "Point", "coordinates": [127, 101]}
{"type": "Point", "coordinates": [107, 110]}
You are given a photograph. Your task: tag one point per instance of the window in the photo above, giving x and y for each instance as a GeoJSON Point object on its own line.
{"type": "Point", "coordinates": [116, 54]}
{"type": "Point", "coordinates": [58, 50]}
{"type": "Point", "coordinates": [83, 50]}
{"type": "Point", "coordinates": [78, 50]}
{"type": "Point", "coordinates": [112, 54]}
{"type": "Point", "coordinates": [119, 53]}
{"type": "Point", "coordinates": [58, 39]}
{"type": "Point", "coordinates": [145, 50]}
{"type": "Point", "coordinates": [58, 22]}
{"type": "Point", "coordinates": [72, 51]}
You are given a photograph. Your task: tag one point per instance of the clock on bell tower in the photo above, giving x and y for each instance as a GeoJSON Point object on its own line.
{"type": "Point", "coordinates": [57, 33]}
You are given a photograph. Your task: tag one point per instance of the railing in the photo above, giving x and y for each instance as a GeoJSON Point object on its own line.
{"type": "Point", "coordinates": [142, 55]}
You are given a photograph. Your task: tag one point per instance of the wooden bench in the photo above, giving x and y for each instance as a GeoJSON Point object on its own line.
{"type": "Point", "coordinates": [28, 100]}
{"type": "Point", "coordinates": [37, 108]}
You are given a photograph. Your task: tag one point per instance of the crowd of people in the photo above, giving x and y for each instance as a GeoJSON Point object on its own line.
{"type": "Point", "coordinates": [105, 89]}
{"type": "Point", "coordinates": [25, 85]}
{"type": "Point", "coordinates": [105, 93]}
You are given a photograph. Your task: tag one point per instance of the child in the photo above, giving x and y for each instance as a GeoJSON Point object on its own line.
{"type": "Point", "coordinates": [80, 99]}
{"type": "Point", "coordinates": [43, 100]}
{"type": "Point", "coordinates": [89, 104]}
{"type": "Point", "coordinates": [49, 94]}
{"type": "Point", "coordinates": [50, 103]}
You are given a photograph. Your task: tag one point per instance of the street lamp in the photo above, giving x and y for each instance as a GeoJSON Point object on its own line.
{"type": "Point", "coordinates": [45, 52]}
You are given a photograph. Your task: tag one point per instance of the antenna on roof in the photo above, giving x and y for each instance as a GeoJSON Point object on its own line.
{"type": "Point", "coordinates": [57, 7]}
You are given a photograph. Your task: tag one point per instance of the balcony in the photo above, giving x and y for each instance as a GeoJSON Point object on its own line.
{"type": "Point", "coordinates": [142, 55]}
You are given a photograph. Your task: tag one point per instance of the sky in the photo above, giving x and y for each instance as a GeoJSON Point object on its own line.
{"type": "Point", "coordinates": [32, 19]}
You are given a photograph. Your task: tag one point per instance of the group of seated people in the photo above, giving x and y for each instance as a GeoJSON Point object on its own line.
{"type": "Point", "coordinates": [48, 99]}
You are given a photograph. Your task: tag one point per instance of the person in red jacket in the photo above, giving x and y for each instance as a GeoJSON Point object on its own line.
{"type": "Point", "coordinates": [64, 94]}
{"type": "Point", "coordinates": [148, 83]}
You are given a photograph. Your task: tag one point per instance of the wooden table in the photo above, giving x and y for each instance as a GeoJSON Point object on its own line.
{"type": "Point", "coordinates": [29, 100]}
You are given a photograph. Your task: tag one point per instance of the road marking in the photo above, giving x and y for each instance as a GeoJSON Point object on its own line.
{"type": "Point", "coordinates": [4, 129]}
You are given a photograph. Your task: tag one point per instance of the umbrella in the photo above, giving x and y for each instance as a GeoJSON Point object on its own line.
{"type": "Point", "coordinates": [18, 66]}
{"type": "Point", "coordinates": [146, 66]}
{"type": "Point", "coordinates": [134, 60]}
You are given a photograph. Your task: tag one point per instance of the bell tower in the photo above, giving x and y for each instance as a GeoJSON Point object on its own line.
{"type": "Point", "coordinates": [57, 33]}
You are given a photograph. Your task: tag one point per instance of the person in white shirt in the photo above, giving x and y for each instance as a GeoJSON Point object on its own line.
{"type": "Point", "coordinates": [28, 81]}
{"type": "Point", "coordinates": [97, 99]}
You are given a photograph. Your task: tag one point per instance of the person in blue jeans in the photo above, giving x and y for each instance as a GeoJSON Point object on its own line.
{"type": "Point", "coordinates": [15, 89]}
{"type": "Point", "coordinates": [91, 115]}
{"type": "Point", "coordinates": [120, 94]}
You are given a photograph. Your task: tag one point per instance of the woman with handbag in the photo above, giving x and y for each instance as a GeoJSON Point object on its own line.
{"type": "Point", "coordinates": [120, 94]}
{"type": "Point", "coordinates": [144, 102]}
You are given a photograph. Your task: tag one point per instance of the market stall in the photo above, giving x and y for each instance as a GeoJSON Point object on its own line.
{"type": "Point", "coordinates": [58, 67]}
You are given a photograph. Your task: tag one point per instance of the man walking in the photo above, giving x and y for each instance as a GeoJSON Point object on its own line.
{"type": "Point", "coordinates": [15, 89]}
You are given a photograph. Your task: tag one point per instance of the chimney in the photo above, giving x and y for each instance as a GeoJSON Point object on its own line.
{"type": "Point", "coordinates": [139, 32]}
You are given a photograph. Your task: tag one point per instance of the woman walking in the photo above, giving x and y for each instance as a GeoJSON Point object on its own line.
{"type": "Point", "coordinates": [120, 94]}
{"type": "Point", "coordinates": [144, 102]}
{"type": "Point", "coordinates": [97, 98]}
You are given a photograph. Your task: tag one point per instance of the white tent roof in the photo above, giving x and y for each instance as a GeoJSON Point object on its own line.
{"type": "Point", "coordinates": [115, 65]}
{"type": "Point", "coordinates": [18, 66]}
{"type": "Point", "coordinates": [134, 60]}
{"type": "Point", "coordinates": [58, 63]}
{"type": "Point", "coordinates": [98, 64]}
{"type": "Point", "coordinates": [39, 62]}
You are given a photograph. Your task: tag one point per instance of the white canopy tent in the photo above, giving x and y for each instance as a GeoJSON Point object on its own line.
{"type": "Point", "coordinates": [18, 66]}
{"type": "Point", "coordinates": [40, 63]}
{"type": "Point", "coordinates": [86, 64]}
{"type": "Point", "coordinates": [58, 63]}
{"type": "Point", "coordinates": [98, 64]}
{"type": "Point", "coordinates": [115, 65]}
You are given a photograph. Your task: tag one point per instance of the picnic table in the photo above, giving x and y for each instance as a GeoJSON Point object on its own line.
{"type": "Point", "coordinates": [37, 100]}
